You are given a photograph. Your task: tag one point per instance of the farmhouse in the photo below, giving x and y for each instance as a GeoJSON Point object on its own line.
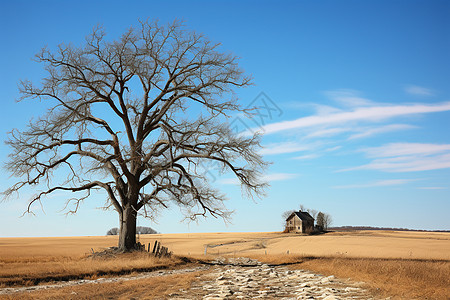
{"type": "Point", "coordinates": [300, 222]}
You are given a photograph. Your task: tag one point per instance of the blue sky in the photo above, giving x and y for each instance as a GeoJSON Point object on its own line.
{"type": "Point", "coordinates": [359, 93]}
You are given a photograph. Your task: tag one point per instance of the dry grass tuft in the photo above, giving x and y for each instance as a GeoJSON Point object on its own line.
{"type": "Point", "coordinates": [31, 271]}
{"type": "Point", "coordinates": [403, 279]}
{"type": "Point", "coordinates": [260, 245]}
{"type": "Point", "coordinates": [151, 288]}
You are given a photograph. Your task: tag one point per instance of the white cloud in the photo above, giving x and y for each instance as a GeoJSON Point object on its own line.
{"type": "Point", "coordinates": [327, 132]}
{"type": "Point", "coordinates": [432, 188]}
{"type": "Point", "coordinates": [279, 177]}
{"type": "Point", "coordinates": [234, 181]}
{"type": "Point", "coordinates": [368, 132]}
{"type": "Point", "coordinates": [403, 149]}
{"type": "Point", "coordinates": [364, 114]}
{"type": "Point", "coordinates": [408, 164]}
{"type": "Point", "coordinates": [267, 178]}
{"type": "Point", "coordinates": [389, 182]}
{"type": "Point", "coordinates": [406, 157]}
{"type": "Point", "coordinates": [418, 90]}
{"type": "Point", "coordinates": [307, 156]}
{"type": "Point", "coordinates": [350, 98]}
{"type": "Point", "coordinates": [333, 149]}
{"type": "Point", "coordinates": [280, 148]}
{"type": "Point", "coordinates": [326, 110]}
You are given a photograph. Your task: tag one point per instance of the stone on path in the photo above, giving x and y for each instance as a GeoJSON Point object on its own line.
{"type": "Point", "coordinates": [242, 278]}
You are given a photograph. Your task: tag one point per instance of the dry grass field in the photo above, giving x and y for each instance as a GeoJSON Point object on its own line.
{"type": "Point", "coordinates": [405, 265]}
{"type": "Point", "coordinates": [371, 244]}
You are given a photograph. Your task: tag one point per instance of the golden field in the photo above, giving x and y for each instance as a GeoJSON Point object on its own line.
{"type": "Point", "coordinates": [373, 244]}
{"type": "Point", "coordinates": [400, 264]}
{"type": "Point", "coordinates": [370, 244]}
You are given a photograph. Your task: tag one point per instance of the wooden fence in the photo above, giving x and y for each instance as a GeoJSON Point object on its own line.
{"type": "Point", "coordinates": [157, 250]}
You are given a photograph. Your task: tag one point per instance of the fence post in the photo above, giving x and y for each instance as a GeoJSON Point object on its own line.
{"type": "Point", "coordinates": [154, 247]}
{"type": "Point", "coordinates": [158, 249]}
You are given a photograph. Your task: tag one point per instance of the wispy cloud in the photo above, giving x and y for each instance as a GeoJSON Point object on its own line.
{"type": "Point", "coordinates": [349, 98]}
{"type": "Point", "coordinates": [327, 132]}
{"type": "Point", "coordinates": [233, 181]}
{"type": "Point", "coordinates": [368, 132]}
{"type": "Point", "coordinates": [364, 114]}
{"type": "Point", "coordinates": [404, 149]}
{"type": "Point", "coordinates": [389, 182]}
{"type": "Point", "coordinates": [432, 188]}
{"type": "Point", "coordinates": [307, 156]}
{"type": "Point", "coordinates": [332, 149]}
{"type": "Point", "coordinates": [418, 90]}
{"type": "Point", "coordinates": [267, 178]}
{"type": "Point", "coordinates": [324, 110]}
{"type": "Point", "coordinates": [406, 157]}
{"type": "Point", "coordinates": [280, 148]}
{"type": "Point", "coordinates": [279, 176]}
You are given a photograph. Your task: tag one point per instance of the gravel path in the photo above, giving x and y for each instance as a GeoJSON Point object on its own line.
{"type": "Point", "coordinates": [240, 278]}
{"type": "Point", "coordinates": [249, 279]}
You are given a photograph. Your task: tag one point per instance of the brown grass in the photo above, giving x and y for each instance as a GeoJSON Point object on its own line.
{"type": "Point", "coordinates": [403, 264]}
{"type": "Point", "coordinates": [404, 279]}
{"type": "Point", "coordinates": [32, 271]}
{"type": "Point", "coordinates": [397, 278]}
{"type": "Point", "coordinates": [149, 288]}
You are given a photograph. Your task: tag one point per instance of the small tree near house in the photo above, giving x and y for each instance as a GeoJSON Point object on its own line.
{"type": "Point", "coordinates": [320, 222]}
{"type": "Point", "coordinates": [323, 221]}
{"type": "Point", "coordinates": [327, 221]}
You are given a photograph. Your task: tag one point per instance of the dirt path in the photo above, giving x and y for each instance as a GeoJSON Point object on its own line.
{"type": "Point", "coordinates": [248, 279]}
{"type": "Point", "coordinates": [240, 278]}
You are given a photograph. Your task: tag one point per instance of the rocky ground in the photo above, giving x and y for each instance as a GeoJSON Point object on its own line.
{"type": "Point", "coordinates": [242, 278]}
{"type": "Point", "coordinates": [247, 279]}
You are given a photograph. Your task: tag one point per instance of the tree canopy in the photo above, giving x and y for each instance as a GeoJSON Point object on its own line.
{"type": "Point", "coordinates": [136, 117]}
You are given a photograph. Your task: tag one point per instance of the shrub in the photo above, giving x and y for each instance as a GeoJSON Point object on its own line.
{"type": "Point", "coordinates": [139, 230]}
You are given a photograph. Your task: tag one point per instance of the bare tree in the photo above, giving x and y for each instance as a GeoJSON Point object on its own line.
{"type": "Point", "coordinates": [311, 211]}
{"type": "Point", "coordinates": [320, 222]}
{"type": "Point", "coordinates": [323, 221]}
{"type": "Point", "coordinates": [286, 215]}
{"type": "Point", "coordinates": [143, 111]}
{"type": "Point", "coordinates": [327, 221]}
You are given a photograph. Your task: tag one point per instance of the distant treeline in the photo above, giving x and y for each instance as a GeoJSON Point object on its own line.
{"type": "Point", "coordinates": [352, 228]}
{"type": "Point", "coordinates": [139, 229]}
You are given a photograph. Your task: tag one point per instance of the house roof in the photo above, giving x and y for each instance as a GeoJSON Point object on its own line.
{"type": "Point", "coordinates": [303, 215]}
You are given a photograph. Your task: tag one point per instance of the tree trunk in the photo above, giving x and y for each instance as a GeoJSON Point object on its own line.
{"type": "Point", "coordinates": [127, 235]}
